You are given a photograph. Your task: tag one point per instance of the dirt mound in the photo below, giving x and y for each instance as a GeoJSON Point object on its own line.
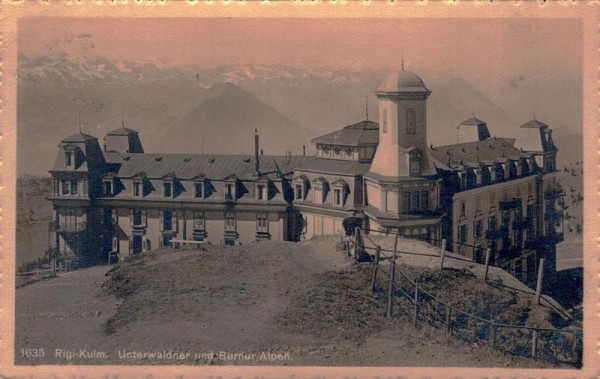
{"type": "Point", "coordinates": [338, 306]}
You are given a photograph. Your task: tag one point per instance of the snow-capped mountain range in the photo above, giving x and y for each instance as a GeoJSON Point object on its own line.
{"type": "Point", "coordinates": [188, 108]}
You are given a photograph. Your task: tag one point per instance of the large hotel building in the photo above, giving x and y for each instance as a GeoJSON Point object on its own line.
{"type": "Point", "coordinates": [482, 192]}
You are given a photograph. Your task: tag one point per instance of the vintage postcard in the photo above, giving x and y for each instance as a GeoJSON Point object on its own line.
{"type": "Point", "coordinates": [275, 189]}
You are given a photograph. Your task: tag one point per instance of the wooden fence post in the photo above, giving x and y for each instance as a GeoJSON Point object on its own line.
{"type": "Point", "coordinates": [534, 341]}
{"type": "Point", "coordinates": [356, 243]}
{"type": "Point", "coordinates": [390, 304]}
{"type": "Point", "coordinates": [375, 267]}
{"type": "Point", "coordinates": [540, 279]}
{"type": "Point", "coordinates": [448, 317]}
{"type": "Point", "coordinates": [442, 254]}
{"type": "Point", "coordinates": [488, 252]}
{"type": "Point", "coordinates": [416, 302]}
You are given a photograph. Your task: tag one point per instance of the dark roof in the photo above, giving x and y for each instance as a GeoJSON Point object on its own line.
{"type": "Point", "coordinates": [534, 124]}
{"type": "Point", "coordinates": [78, 137]}
{"type": "Point", "coordinates": [334, 166]}
{"type": "Point", "coordinates": [121, 132]}
{"type": "Point", "coordinates": [188, 166]}
{"type": "Point", "coordinates": [473, 121]}
{"type": "Point", "coordinates": [477, 151]}
{"type": "Point", "coordinates": [359, 134]}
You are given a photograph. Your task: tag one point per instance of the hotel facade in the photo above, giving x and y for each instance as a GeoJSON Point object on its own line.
{"type": "Point", "coordinates": [482, 192]}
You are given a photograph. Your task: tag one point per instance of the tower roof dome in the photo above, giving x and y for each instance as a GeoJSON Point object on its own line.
{"type": "Point", "coordinates": [402, 81]}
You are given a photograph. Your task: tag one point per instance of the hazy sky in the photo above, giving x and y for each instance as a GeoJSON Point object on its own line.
{"type": "Point", "coordinates": [473, 48]}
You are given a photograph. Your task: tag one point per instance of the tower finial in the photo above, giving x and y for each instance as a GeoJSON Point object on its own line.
{"type": "Point", "coordinates": [122, 118]}
{"type": "Point", "coordinates": [366, 106]}
{"type": "Point", "coordinates": [533, 116]}
{"type": "Point", "coordinates": [402, 59]}
{"type": "Point", "coordinates": [79, 121]}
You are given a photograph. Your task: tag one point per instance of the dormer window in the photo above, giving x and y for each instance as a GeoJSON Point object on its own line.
{"type": "Point", "coordinates": [337, 196]}
{"type": "Point", "coordinates": [168, 189]}
{"type": "Point", "coordinates": [199, 190]}
{"type": "Point", "coordinates": [137, 188]}
{"type": "Point", "coordinates": [261, 191]}
{"type": "Point", "coordinates": [339, 192]}
{"type": "Point", "coordinates": [300, 183]}
{"type": "Point", "coordinates": [68, 158]}
{"type": "Point", "coordinates": [299, 191]}
{"type": "Point", "coordinates": [229, 192]}
{"type": "Point", "coordinates": [107, 187]}
{"type": "Point", "coordinates": [414, 162]}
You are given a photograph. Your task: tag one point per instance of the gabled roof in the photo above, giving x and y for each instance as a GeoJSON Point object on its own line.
{"type": "Point", "coordinates": [340, 183]}
{"type": "Point", "coordinates": [320, 179]}
{"type": "Point", "coordinates": [364, 133]}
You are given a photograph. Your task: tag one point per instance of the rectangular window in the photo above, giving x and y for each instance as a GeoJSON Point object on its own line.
{"type": "Point", "coordinates": [199, 190]}
{"type": "Point", "coordinates": [462, 233]}
{"type": "Point", "coordinates": [68, 158]}
{"type": "Point", "coordinates": [415, 201]}
{"type": "Point", "coordinates": [337, 196]}
{"type": "Point", "coordinates": [406, 197]}
{"type": "Point", "coordinates": [299, 191]}
{"type": "Point", "coordinates": [477, 228]}
{"type": "Point", "coordinates": [137, 188]}
{"type": "Point", "coordinates": [463, 208]}
{"type": "Point", "coordinates": [424, 200]}
{"type": "Point", "coordinates": [108, 188]}
{"type": "Point", "coordinates": [66, 187]}
{"type": "Point", "coordinates": [229, 193]}
{"type": "Point", "coordinates": [167, 220]}
{"type": "Point", "coordinates": [138, 217]}
{"type": "Point", "coordinates": [230, 222]}
{"type": "Point", "coordinates": [74, 187]}
{"type": "Point", "coordinates": [262, 224]}
{"type": "Point", "coordinates": [167, 189]}
{"type": "Point", "coordinates": [492, 223]}
{"type": "Point", "coordinates": [260, 192]}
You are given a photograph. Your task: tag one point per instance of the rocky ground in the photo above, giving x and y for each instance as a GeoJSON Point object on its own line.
{"type": "Point", "coordinates": [263, 303]}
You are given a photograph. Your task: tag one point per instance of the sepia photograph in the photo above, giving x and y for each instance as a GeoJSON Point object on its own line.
{"type": "Point", "coordinates": [295, 191]}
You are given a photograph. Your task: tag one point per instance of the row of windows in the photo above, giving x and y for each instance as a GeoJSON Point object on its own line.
{"type": "Point", "coordinates": [339, 194]}
{"type": "Point", "coordinates": [70, 187]}
{"type": "Point", "coordinates": [169, 222]}
{"type": "Point", "coordinates": [139, 189]}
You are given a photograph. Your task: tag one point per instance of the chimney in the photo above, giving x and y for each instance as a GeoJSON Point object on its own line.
{"type": "Point", "coordinates": [256, 162]}
{"type": "Point", "coordinates": [303, 150]}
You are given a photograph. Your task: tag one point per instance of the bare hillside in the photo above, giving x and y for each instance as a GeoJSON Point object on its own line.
{"type": "Point", "coordinates": [306, 302]}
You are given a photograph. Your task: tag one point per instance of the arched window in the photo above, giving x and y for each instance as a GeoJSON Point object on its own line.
{"type": "Point", "coordinates": [385, 121]}
{"type": "Point", "coordinates": [411, 127]}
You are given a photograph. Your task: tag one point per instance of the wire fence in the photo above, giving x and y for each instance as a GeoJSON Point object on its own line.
{"type": "Point", "coordinates": [555, 345]}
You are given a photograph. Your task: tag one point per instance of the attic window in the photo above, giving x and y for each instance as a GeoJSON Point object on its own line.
{"type": "Point", "coordinates": [187, 159]}
{"type": "Point", "coordinates": [126, 158]}
{"type": "Point", "coordinates": [158, 159]}
{"type": "Point", "coordinates": [211, 160]}
{"type": "Point", "coordinates": [246, 160]}
{"type": "Point", "coordinates": [68, 158]}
